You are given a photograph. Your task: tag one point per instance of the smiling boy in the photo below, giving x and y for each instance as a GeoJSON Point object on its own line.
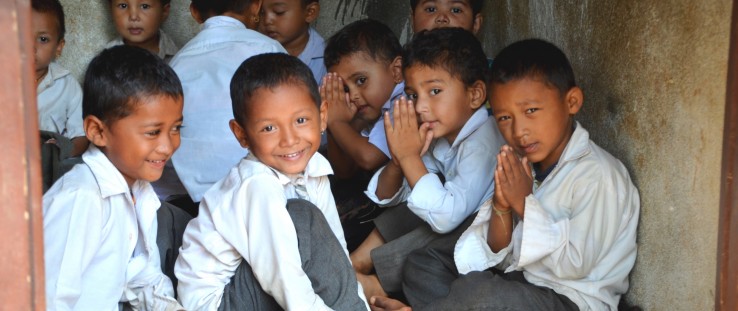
{"type": "Point", "coordinates": [100, 219]}
{"type": "Point", "coordinates": [138, 23]}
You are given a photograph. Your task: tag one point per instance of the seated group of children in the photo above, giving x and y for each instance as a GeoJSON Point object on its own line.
{"type": "Point", "coordinates": [205, 185]}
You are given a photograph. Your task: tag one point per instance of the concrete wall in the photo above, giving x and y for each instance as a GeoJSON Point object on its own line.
{"type": "Point", "coordinates": [654, 77]}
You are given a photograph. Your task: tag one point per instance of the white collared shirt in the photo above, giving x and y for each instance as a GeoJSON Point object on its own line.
{"type": "Point", "coordinates": [167, 47]}
{"type": "Point", "coordinates": [312, 55]}
{"type": "Point", "coordinates": [59, 99]}
{"type": "Point", "coordinates": [579, 233]}
{"type": "Point", "coordinates": [376, 133]}
{"type": "Point", "coordinates": [244, 217]}
{"type": "Point", "coordinates": [467, 165]}
{"type": "Point", "coordinates": [205, 65]}
{"type": "Point", "coordinates": [99, 247]}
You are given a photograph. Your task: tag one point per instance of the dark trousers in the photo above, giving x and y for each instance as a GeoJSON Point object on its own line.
{"type": "Point", "coordinates": [172, 222]}
{"type": "Point", "coordinates": [323, 260]}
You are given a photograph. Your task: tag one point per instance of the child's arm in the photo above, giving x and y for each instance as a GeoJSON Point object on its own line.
{"type": "Point", "coordinates": [349, 149]}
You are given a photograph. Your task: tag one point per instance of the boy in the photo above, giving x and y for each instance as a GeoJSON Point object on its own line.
{"type": "Point", "coordinates": [245, 250]}
{"type": "Point", "coordinates": [206, 65]}
{"type": "Point", "coordinates": [59, 96]}
{"type": "Point", "coordinates": [574, 243]}
{"type": "Point", "coordinates": [445, 73]}
{"type": "Point", "coordinates": [365, 62]}
{"type": "Point", "coordinates": [288, 21]}
{"type": "Point", "coordinates": [138, 23]}
{"type": "Point", "coordinates": [100, 219]}
{"type": "Point", "coordinates": [430, 14]}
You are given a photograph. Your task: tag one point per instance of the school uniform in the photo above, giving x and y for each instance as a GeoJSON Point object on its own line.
{"type": "Point", "coordinates": [244, 227]}
{"type": "Point", "coordinates": [467, 166]}
{"type": "Point", "coordinates": [577, 240]}
{"type": "Point", "coordinates": [312, 55]}
{"type": "Point", "coordinates": [59, 100]}
{"type": "Point", "coordinates": [376, 133]}
{"type": "Point", "coordinates": [167, 47]}
{"type": "Point", "coordinates": [205, 66]}
{"type": "Point", "coordinates": [100, 241]}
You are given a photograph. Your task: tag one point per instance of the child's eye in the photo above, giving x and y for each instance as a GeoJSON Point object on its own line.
{"type": "Point", "coordinates": [177, 128]}
{"type": "Point", "coordinates": [503, 118]}
{"type": "Point", "coordinates": [531, 110]}
{"type": "Point", "coordinates": [430, 9]}
{"type": "Point", "coordinates": [279, 13]}
{"type": "Point", "coordinates": [456, 10]}
{"type": "Point", "coordinates": [301, 120]}
{"type": "Point", "coordinates": [268, 128]}
{"type": "Point", "coordinates": [435, 92]}
{"type": "Point", "coordinates": [153, 133]}
{"type": "Point", "coordinates": [145, 6]}
{"type": "Point", "coordinates": [361, 81]}
{"type": "Point", "coordinates": [412, 96]}
{"type": "Point", "coordinates": [122, 5]}
{"type": "Point", "coordinates": [43, 39]}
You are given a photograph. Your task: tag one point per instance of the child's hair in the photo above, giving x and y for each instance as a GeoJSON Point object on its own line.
{"type": "Point", "coordinates": [219, 7]}
{"type": "Point", "coordinates": [453, 49]}
{"type": "Point", "coordinates": [533, 58]}
{"type": "Point", "coordinates": [54, 7]}
{"type": "Point", "coordinates": [306, 2]}
{"type": "Point", "coordinates": [119, 77]}
{"type": "Point", "coordinates": [163, 2]}
{"type": "Point", "coordinates": [368, 36]}
{"type": "Point", "coordinates": [476, 5]}
{"type": "Point", "coordinates": [268, 71]}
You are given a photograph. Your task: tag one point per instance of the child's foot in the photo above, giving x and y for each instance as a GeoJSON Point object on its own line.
{"type": "Point", "coordinates": [371, 285]}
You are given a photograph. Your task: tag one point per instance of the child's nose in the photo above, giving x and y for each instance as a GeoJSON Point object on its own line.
{"type": "Point", "coordinates": [288, 138]}
{"type": "Point", "coordinates": [441, 18]}
{"type": "Point", "coordinates": [133, 13]}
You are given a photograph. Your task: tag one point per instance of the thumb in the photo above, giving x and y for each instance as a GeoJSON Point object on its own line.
{"type": "Point", "coordinates": [526, 166]}
{"type": "Point", "coordinates": [426, 135]}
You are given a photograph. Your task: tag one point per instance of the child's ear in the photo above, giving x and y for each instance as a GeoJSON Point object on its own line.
{"type": "Point", "coordinates": [574, 100]}
{"type": "Point", "coordinates": [478, 20]}
{"type": "Point", "coordinates": [312, 11]}
{"type": "Point", "coordinates": [165, 12]}
{"type": "Point", "coordinates": [478, 94]}
{"type": "Point", "coordinates": [240, 133]}
{"type": "Point", "coordinates": [396, 68]}
{"type": "Point", "coordinates": [196, 14]}
{"type": "Point", "coordinates": [323, 116]}
{"type": "Point", "coordinates": [96, 131]}
{"type": "Point", "coordinates": [59, 48]}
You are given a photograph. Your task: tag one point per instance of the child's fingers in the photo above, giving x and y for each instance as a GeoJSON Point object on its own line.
{"type": "Point", "coordinates": [507, 166]}
{"type": "Point", "coordinates": [526, 168]}
{"type": "Point", "coordinates": [426, 135]}
{"type": "Point", "coordinates": [388, 129]}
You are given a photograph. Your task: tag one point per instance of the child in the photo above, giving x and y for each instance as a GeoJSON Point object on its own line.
{"type": "Point", "coordinates": [574, 243]}
{"type": "Point", "coordinates": [206, 65]}
{"type": "Point", "coordinates": [245, 250]}
{"type": "Point", "coordinates": [100, 219]}
{"type": "Point", "coordinates": [59, 96]}
{"type": "Point", "coordinates": [138, 23]}
{"type": "Point", "coordinates": [430, 14]}
{"type": "Point", "coordinates": [288, 21]}
{"type": "Point", "coordinates": [445, 81]}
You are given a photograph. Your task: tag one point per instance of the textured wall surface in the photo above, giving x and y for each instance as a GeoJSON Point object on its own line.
{"type": "Point", "coordinates": [654, 76]}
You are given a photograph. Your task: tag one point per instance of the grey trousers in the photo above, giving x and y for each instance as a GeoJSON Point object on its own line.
{"type": "Point", "coordinates": [432, 282]}
{"type": "Point", "coordinates": [172, 222]}
{"type": "Point", "coordinates": [323, 260]}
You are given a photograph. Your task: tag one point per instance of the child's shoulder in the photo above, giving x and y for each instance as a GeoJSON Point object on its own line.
{"type": "Point", "coordinates": [79, 185]}
{"type": "Point", "coordinates": [481, 132]}
{"type": "Point", "coordinates": [591, 162]}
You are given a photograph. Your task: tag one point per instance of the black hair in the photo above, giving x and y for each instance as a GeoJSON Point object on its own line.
{"type": "Point", "coordinates": [306, 2]}
{"type": "Point", "coordinates": [163, 2]}
{"type": "Point", "coordinates": [454, 49]}
{"type": "Point", "coordinates": [54, 7]}
{"type": "Point", "coordinates": [533, 58]}
{"type": "Point", "coordinates": [119, 77]}
{"type": "Point", "coordinates": [269, 71]}
{"type": "Point", "coordinates": [366, 35]}
{"type": "Point", "coordinates": [476, 5]}
{"type": "Point", "coordinates": [219, 7]}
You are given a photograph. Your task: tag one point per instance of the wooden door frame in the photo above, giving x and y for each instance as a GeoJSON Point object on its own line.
{"type": "Point", "coordinates": [726, 294]}
{"type": "Point", "coordinates": [21, 262]}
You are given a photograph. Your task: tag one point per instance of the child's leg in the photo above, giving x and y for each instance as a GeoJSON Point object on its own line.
{"type": "Point", "coordinates": [171, 223]}
{"type": "Point", "coordinates": [323, 258]}
{"type": "Point", "coordinates": [244, 292]}
{"type": "Point", "coordinates": [361, 259]}
{"type": "Point", "coordinates": [488, 290]}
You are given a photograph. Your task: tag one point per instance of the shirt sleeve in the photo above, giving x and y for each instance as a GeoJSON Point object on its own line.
{"type": "Point", "coordinates": [570, 247]}
{"type": "Point", "coordinates": [445, 205]}
{"type": "Point", "coordinates": [73, 232]}
{"type": "Point", "coordinates": [273, 251]}
{"type": "Point", "coordinates": [399, 197]}
{"type": "Point", "coordinates": [472, 253]}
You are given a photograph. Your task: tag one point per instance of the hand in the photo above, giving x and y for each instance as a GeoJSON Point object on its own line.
{"type": "Point", "coordinates": [51, 141]}
{"type": "Point", "coordinates": [378, 303]}
{"type": "Point", "coordinates": [340, 108]}
{"type": "Point", "coordinates": [513, 181]}
{"type": "Point", "coordinates": [404, 138]}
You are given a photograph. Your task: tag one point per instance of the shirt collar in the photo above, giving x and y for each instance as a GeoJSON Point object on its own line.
{"type": "Point", "coordinates": [578, 145]}
{"type": "Point", "coordinates": [55, 72]}
{"type": "Point", "coordinates": [167, 47]}
{"type": "Point", "coordinates": [109, 179]}
{"type": "Point", "coordinates": [314, 47]}
{"type": "Point", "coordinates": [221, 21]}
{"type": "Point", "coordinates": [477, 119]}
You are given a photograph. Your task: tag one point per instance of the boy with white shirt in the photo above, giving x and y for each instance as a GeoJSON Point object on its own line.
{"type": "Point", "coordinates": [205, 65]}
{"type": "Point", "coordinates": [445, 74]}
{"type": "Point", "coordinates": [101, 218]}
{"type": "Point", "coordinates": [252, 247]}
{"type": "Point", "coordinates": [562, 238]}
{"type": "Point", "coordinates": [138, 23]}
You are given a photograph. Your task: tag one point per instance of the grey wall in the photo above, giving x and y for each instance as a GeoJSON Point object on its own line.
{"type": "Point", "coordinates": [654, 77]}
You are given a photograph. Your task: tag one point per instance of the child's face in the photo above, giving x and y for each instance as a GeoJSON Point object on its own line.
{"type": "Point", "coordinates": [442, 100]}
{"type": "Point", "coordinates": [369, 82]}
{"type": "Point", "coordinates": [282, 128]}
{"type": "Point", "coordinates": [138, 21]}
{"type": "Point", "coordinates": [286, 21]}
{"type": "Point", "coordinates": [47, 44]}
{"type": "Point", "coordinates": [535, 119]}
{"type": "Point", "coordinates": [430, 14]}
{"type": "Point", "coordinates": [141, 143]}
